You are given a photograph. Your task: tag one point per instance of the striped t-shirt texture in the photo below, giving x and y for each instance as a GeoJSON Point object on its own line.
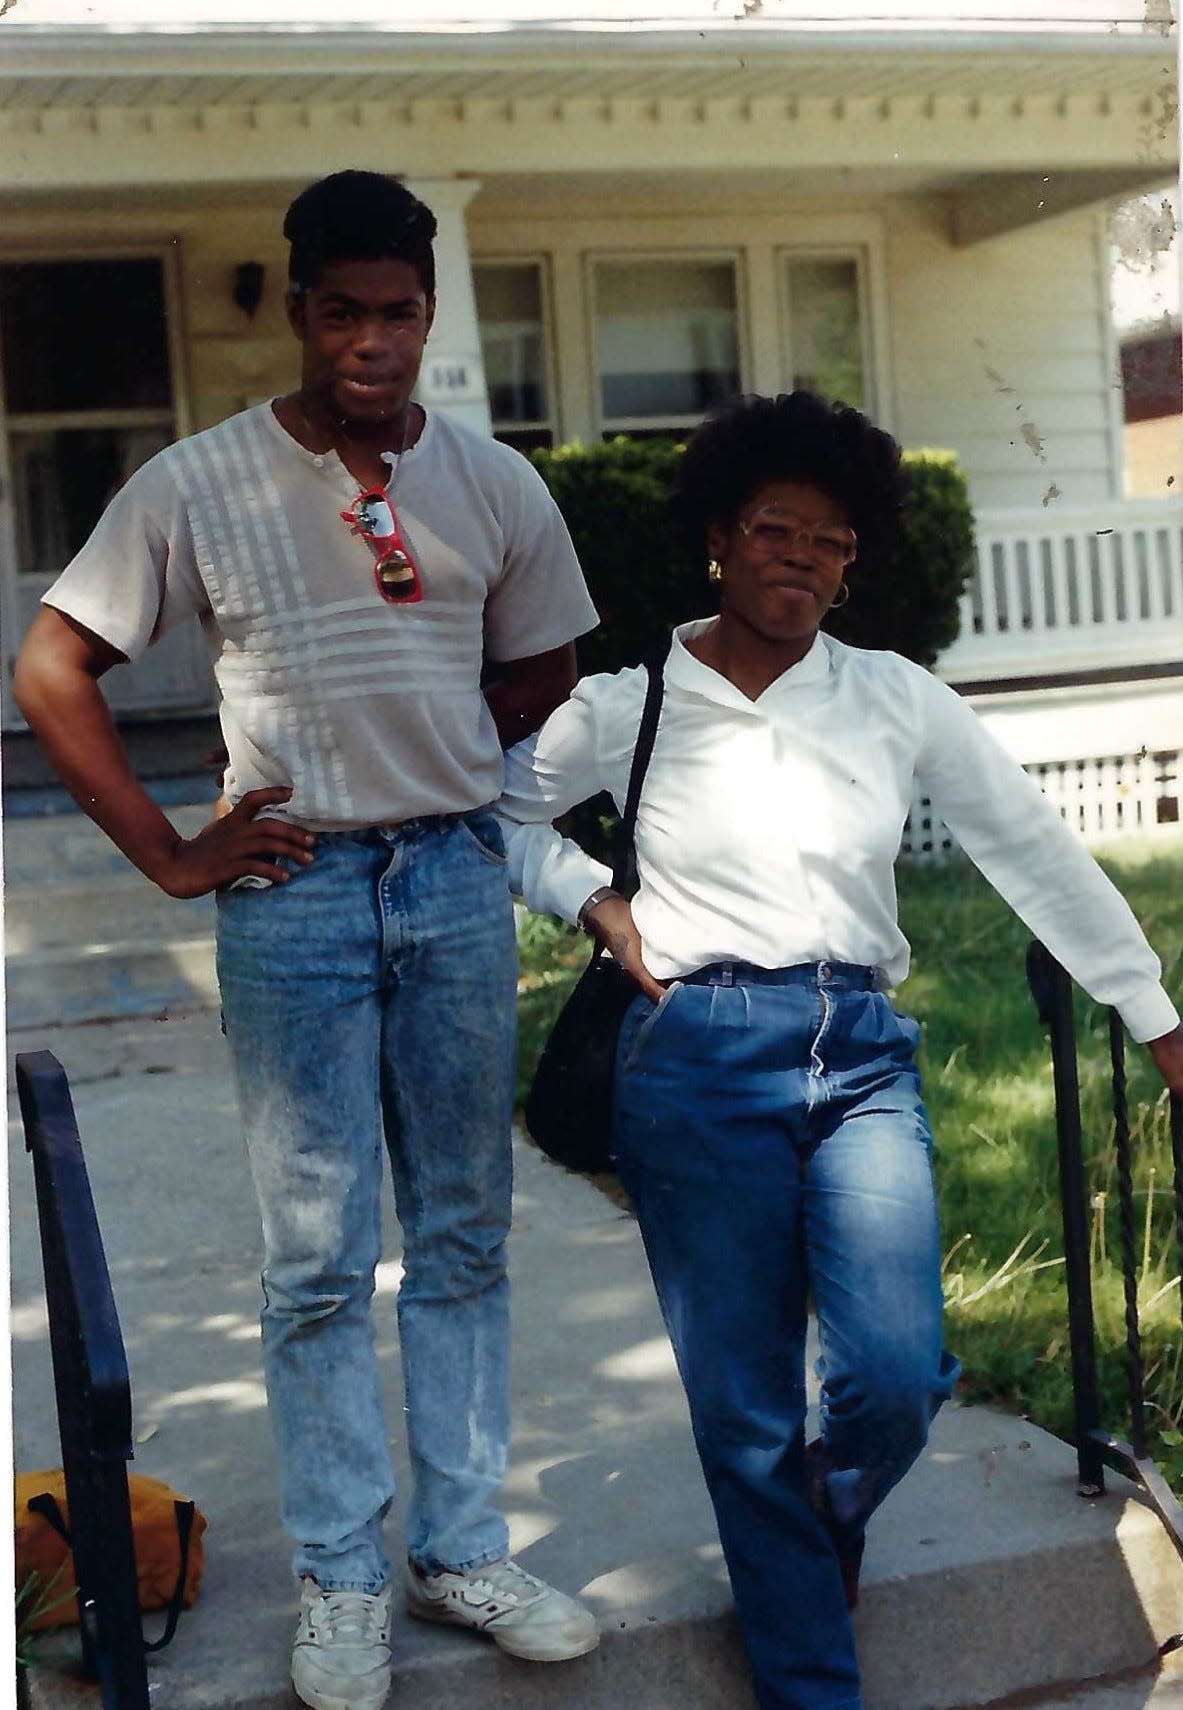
{"type": "Point", "coordinates": [371, 712]}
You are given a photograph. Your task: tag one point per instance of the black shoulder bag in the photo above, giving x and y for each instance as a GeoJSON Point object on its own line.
{"type": "Point", "coordinates": [569, 1106]}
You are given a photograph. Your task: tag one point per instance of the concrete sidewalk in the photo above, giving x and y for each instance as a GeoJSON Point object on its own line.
{"type": "Point", "coordinates": [985, 1574]}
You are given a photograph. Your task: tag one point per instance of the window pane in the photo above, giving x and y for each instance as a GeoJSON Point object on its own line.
{"type": "Point", "coordinates": [678, 434]}
{"type": "Point", "coordinates": [509, 309]}
{"type": "Point", "coordinates": [62, 481]}
{"type": "Point", "coordinates": [825, 332]}
{"type": "Point", "coordinates": [527, 439]}
{"type": "Point", "coordinates": [83, 335]}
{"type": "Point", "coordinates": [666, 336]}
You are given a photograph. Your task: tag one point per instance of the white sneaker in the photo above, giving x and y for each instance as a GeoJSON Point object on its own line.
{"type": "Point", "coordinates": [521, 1614]}
{"type": "Point", "coordinates": [341, 1658]}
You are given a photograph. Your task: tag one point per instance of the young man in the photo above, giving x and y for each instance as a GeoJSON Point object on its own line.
{"type": "Point", "coordinates": [353, 561]}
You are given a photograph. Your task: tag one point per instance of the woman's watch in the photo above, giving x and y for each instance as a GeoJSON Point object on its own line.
{"type": "Point", "coordinates": [597, 897]}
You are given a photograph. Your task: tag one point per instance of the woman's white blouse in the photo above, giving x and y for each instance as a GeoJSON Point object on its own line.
{"type": "Point", "coordinates": [768, 830]}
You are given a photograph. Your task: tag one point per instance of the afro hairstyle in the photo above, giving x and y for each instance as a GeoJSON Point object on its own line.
{"type": "Point", "coordinates": [797, 436]}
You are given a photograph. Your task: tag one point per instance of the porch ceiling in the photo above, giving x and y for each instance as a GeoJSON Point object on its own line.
{"type": "Point", "coordinates": [74, 70]}
{"type": "Point", "coordinates": [978, 205]}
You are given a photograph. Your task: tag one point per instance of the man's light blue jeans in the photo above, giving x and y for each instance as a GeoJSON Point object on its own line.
{"type": "Point", "coordinates": [770, 1131]}
{"type": "Point", "coordinates": [370, 1000]}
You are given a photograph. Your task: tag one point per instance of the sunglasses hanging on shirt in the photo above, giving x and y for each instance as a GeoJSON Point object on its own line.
{"type": "Point", "coordinates": [395, 572]}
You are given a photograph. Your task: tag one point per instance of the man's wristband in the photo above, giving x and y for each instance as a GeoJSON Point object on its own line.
{"type": "Point", "coordinates": [597, 897]}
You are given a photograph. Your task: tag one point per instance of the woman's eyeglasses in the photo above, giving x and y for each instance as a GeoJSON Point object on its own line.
{"type": "Point", "coordinates": [775, 532]}
{"type": "Point", "coordinates": [395, 572]}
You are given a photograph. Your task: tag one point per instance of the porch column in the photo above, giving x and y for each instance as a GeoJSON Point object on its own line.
{"type": "Point", "coordinates": [452, 378]}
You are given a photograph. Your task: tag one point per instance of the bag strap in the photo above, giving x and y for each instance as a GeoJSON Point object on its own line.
{"type": "Point", "coordinates": [624, 865]}
{"type": "Point", "coordinates": [46, 1505]}
{"type": "Point", "coordinates": [185, 1512]}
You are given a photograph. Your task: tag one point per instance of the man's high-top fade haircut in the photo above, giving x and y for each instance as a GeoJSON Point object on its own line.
{"type": "Point", "coordinates": [795, 437]}
{"type": "Point", "coordinates": [358, 216]}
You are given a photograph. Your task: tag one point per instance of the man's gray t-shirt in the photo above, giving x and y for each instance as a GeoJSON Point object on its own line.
{"type": "Point", "coordinates": [372, 712]}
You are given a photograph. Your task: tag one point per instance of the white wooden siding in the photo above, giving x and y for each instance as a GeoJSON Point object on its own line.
{"type": "Point", "coordinates": [999, 337]}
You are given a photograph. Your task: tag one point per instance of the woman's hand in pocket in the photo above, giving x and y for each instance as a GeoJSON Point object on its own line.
{"type": "Point", "coordinates": [611, 924]}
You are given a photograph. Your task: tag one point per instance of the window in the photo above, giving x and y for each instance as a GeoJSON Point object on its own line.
{"type": "Point", "coordinates": [667, 342]}
{"type": "Point", "coordinates": [87, 391]}
{"type": "Point", "coordinates": [511, 311]}
{"type": "Point", "coordinates": [825, 332]}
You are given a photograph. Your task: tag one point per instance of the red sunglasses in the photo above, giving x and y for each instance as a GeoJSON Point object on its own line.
{"type": "Point", "coordinates": [395, 572]}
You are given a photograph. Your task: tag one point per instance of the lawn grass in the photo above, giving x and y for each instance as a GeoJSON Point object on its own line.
{"type": "Point", "coordinates": [987, 1079]}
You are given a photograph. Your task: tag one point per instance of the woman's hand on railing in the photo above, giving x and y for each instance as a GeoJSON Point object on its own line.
{"type": "Point", "coordinates": [1167, 1052]}
{"type": "Point", "coordinates": [611, 924]}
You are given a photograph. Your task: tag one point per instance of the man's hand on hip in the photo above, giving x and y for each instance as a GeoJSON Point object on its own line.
{"type": "Point", "coordinates": [235, 843]}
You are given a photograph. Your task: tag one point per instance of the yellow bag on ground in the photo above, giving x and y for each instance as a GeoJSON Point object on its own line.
{"type": "Point", "coordinates": [166, 1530]}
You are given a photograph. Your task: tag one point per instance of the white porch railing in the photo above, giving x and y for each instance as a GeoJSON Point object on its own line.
{"type": "Point", "coordinates": [1072, 589]}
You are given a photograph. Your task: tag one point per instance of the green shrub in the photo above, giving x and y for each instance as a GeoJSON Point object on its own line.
{"type": "Point", "coordinates": [912, 606]}
{"type": "Point", "coordinates": [613, 496]}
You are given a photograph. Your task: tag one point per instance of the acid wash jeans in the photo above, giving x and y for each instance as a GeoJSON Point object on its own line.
{"type": "Point", "coordinates": [770, 1131]}
{"type": "Point", "coordinates": [369, 1002]}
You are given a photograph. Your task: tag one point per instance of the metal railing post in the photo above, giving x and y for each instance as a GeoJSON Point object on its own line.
{"type": "Point", "coordinates": [92, 1387]}
{"type": "Point", "coordinates": [1177, 1157]}
{"type": "Point", "coordinates": [1052, 990]}
{"type": "Point", "coordinates": [1097, 1447]}
{"type": "Point", "coordinates": [1129, 1262]}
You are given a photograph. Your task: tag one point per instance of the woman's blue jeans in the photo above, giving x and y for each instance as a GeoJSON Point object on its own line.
{"type": "Point", "coordinates": [770, 1131]}
{"type": "Point", "coordinates": [370, 1001]}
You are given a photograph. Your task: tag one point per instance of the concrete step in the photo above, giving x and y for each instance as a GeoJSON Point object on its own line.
{"type": "Point", "coordinates": [986, 1575]}
{"type": "Point", "coordinates": [69, 848]}
{"type": "Point", "coordinates": [88, 938]}
{"type": "Point", "coordinates": [83, 913]}
{"type": "Point", "coordinates": [102, 982]}
{"type": "Point", "coordinates": [1158, 1688]}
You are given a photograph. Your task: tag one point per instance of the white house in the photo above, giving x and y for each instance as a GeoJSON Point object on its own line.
{"type": "Point", "coordinates": [644, 205]}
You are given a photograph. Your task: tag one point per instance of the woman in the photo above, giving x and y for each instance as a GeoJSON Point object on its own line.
{"type": "Point", "coordinates": [769, 1125]}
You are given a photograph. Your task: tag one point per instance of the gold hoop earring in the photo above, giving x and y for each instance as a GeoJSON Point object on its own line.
{"type": "Point", "coordinates": [840, 599]}
{"type": "Point", "coordinates": [715, 570]}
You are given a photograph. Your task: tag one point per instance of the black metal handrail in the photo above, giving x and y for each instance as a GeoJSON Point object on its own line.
{"type": "Point", "coordinates": [92, 1387]}
{"type": "Point", "coordinates": [1096, 1447]}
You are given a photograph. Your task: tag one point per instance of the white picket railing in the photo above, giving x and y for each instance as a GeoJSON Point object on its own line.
{"type": "Point", "coordinates": [1072, 589]}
